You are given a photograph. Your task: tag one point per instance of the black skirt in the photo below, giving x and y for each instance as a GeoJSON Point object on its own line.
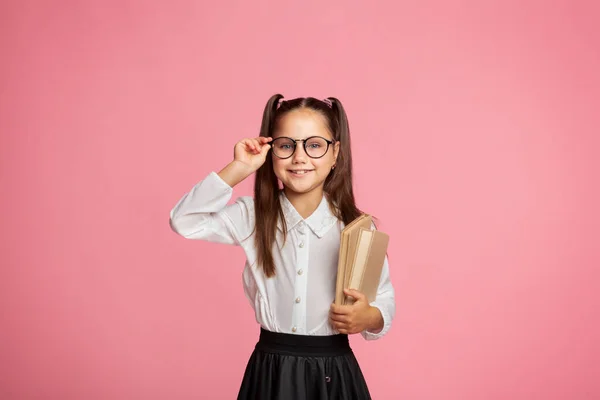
{"type": "Point", "coordinates": [297, 367]}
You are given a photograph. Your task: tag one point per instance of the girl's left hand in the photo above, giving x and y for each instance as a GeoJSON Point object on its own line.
{"type": "Point", "coordinates": [357, 317]}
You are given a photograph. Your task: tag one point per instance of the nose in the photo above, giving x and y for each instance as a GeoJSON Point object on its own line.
{"type": "Point", "coordinates": [299, 155]}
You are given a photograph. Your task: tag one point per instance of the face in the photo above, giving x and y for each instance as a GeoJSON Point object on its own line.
{"type": "Point", "coordinates": [300, 173]}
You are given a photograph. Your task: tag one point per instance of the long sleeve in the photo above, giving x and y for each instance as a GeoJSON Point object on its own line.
{"type": "Point", "coordinates": [385, 302]}
{"type": "Point", "coordinates": [203, 213]}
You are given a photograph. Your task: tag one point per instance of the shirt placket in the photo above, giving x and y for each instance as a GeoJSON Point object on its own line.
{"type": "Point", "coordinates": [300, 286]}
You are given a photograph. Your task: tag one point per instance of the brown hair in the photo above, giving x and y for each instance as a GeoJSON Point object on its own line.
{"type": "Point", "coordinates": [337, 187]}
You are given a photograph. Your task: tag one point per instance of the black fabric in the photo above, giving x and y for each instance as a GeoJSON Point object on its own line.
{"type": "Point", "coordinates": [297, 367]}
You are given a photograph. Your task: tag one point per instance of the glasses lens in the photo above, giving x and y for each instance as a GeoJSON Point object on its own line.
{"type": "Point", "coordinates": [283, 147]}
{"type": "Point", "coordinates": [316, 147]}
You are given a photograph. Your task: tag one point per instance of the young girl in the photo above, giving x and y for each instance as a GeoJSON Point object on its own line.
{"type": "Point", "coordinates": [290, 233]}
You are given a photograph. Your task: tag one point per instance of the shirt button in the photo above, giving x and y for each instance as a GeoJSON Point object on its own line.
{"type": "Point", "coordinates": [294, 329]}
{"type": "Point", "coordinates": [297, 299]}
{"type": "Point", "coordinates": [301, 244]}
{"type": "Point", "coordinates": [300, 271]}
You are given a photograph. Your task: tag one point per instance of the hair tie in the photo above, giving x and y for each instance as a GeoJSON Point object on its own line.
{"type": "Point", "coordinates": [281, 100]}
{"type": "Point", "coordinates": [328, 102]}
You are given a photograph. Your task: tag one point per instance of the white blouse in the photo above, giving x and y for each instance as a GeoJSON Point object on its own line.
{"type": "Point", "coordinates": [297, 299]}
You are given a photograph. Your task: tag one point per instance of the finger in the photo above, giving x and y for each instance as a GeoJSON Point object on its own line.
{"type": "Point", "coordinates": [251, 146]}
{"type": "Point", "coordinates": [248, 144]}
{"type": "Point", "coordinates": [257, 145]}
{"type": "Point", "coordinates": [265, 149]}
{"type": "Point", "coordinates": [339, 318]}
{"type": "Point", "coordinates": [338, 325]}
{"type": "Point", "coordinates": [336, 308]}
{"type": "Point", "coordinates": [264, 139]}
{"type": "Point", "coordinates": [341, 310]}
{"type": "Point", "coordinates": [359, 296]}
{"type": "Point", "coordinates": [246, 147]}
{"type": "Point", "coordinates": [345, 328]}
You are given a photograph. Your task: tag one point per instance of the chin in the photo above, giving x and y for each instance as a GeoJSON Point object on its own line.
{"type": "Point", "coordinates": [297, 188]}
{"type": "Point", "coordinates": [301, 189]}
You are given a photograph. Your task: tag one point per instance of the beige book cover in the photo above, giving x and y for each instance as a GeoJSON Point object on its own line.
{"type": "Point", "coordinates": [369, 257]}
{"type": "Point", "coordinates": [348, 240]}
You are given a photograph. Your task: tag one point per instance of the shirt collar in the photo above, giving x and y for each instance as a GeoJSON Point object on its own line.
{"type": "Point", "coordinates": [320, 221]}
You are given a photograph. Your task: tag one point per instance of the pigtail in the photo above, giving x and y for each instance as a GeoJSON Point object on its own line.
{"type": "Point", "coordinates": [268, 113]}
{"type": "Point", "coordinates": [339, 183]}
{"type": "Point", "coordinates": [266, 196]}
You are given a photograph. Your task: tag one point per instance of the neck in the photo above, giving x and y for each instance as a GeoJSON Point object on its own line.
{"type": "Point", "coordinates": [305, 203]}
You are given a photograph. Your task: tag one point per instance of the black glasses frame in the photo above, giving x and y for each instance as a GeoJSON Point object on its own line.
{"type": "Point", "coordinates": [295, 141]}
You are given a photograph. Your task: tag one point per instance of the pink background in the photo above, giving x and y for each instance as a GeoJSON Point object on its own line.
{"type": "Point", "coordinates": [476, 140]}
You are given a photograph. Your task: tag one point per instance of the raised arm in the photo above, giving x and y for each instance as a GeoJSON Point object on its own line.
{"type": "Point", "coordinates": [203, 213]}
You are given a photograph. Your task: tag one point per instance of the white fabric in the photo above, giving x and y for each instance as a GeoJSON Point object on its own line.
{"type": "Point", "coordinates": [297, 299]}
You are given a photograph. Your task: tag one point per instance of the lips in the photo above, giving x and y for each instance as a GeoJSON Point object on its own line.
{"type": "Point", "coordinates": [300, 172]}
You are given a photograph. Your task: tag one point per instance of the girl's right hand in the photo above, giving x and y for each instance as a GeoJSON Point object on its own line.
{"type": "Point", "coordinates": [252, 152]}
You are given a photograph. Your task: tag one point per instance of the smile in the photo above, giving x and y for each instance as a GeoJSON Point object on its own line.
{"type": "Point", "coordinates": [300, 171]}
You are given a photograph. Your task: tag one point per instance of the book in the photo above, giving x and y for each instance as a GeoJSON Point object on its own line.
{"type": "Point", "coordinates": [361, 258]}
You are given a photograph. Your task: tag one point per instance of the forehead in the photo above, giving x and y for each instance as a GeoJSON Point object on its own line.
{"type": "Point", "coordinates": [302, 123]}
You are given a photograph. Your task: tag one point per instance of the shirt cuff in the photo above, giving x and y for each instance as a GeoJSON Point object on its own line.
{"type": "Point", "coordinates": [387, 323]}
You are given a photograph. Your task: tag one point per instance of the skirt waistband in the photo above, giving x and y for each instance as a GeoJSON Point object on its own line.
{"type": "Point", "coordinates": [303, 345]}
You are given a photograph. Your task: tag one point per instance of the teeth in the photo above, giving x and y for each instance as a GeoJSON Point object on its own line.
{"type": "Point", "coordinates": [301, 172]}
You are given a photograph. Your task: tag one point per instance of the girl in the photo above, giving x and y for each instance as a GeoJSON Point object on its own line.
{"type": "Point", "coordinates": [290, 233]}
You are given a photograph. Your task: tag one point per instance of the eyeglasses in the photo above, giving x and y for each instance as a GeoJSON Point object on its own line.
{"type": "Point", "coordinates": [314, 146]}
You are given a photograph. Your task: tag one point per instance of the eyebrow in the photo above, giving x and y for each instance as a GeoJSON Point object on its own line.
{"type": "Point", "coordinates": [309, 136]}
